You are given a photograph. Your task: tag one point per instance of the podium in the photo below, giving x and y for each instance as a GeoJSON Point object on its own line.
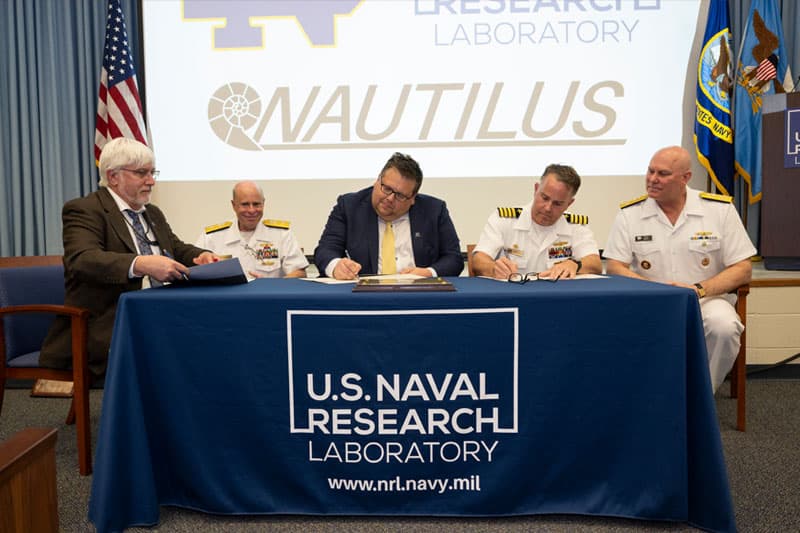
{"type": "Point", "coordinates": [780, 186]}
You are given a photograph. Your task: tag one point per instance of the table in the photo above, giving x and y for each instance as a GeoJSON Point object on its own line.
{"type": "Point", "coordinates": [288, 396]}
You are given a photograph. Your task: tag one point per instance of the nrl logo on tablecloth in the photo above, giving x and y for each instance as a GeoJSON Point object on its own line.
{"type": "Point", "coordinates": [384, 399]}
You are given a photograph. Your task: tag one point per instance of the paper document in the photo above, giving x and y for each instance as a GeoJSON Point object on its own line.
{"type": "Point", "coordinates": [333, 281]}
{"type": "Point", "coordinates": [227, 272]}
{"type": "Point", "coordinates": [579, 276]}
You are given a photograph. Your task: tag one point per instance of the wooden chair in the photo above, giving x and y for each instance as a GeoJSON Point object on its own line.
{"type": "Point", "coordinates": [29, 297]}
{"type": "Point", "coordinates": [470, 268]}
{"type": "Point", "coordinates": [42, 387]}
{"type": "Point", "coordinates": [737, 375]}
{"type": "Point", "coordinates": [28, 482]}
{"type": "Point", "coordinates": [30, 261]}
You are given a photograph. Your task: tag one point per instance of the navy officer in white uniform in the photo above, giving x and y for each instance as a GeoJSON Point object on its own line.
{"type": "Point", "coordinates": [266, 248]}
{"type": "Point", "coordinates": [684, 237]}
{"type": "Point", "coordinates": [540, 237]}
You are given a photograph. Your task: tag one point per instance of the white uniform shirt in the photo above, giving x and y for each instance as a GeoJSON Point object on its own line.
{"type": "Point", "coordinates": [270, 252]}
{"type": "Point", "coordinates": [532, 247]}
{"type": "Point", "coordinates": [707, 238]}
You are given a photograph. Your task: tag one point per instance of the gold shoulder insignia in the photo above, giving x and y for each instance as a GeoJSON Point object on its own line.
{"type": "Point", "coordinates": [218, 227]}
{"type": "Point", "coordinates": [271, 223]}
{"type": "Point", "coordinates": [635, 201]}
{"type": "Point", "coordinates": [509, 212]}
{"type": "Point", "coordinates": [574, 218]}
{"type": "Point", "coordinates": [716, 197]}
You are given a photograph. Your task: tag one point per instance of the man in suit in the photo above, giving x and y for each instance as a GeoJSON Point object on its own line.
{"type": "Point", "coordinates": [389, 228]}
{"type": "Point", "coordinates": [113, 242]}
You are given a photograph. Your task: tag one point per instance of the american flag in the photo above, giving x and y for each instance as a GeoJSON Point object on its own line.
{"type": "Point", "coordinates": [766, 69]}
{"type": "Point", "coordinates": [119, 109]}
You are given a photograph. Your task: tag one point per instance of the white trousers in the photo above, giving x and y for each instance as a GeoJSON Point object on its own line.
{"type": "Point", "coordinates": [723, 330]}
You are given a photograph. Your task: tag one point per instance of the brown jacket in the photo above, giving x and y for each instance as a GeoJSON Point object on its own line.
{"type": "Point", "coordinates": [98, 251]}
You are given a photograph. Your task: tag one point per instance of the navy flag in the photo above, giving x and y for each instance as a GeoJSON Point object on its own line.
{"type": "Point", "coordinates": [713, 135]}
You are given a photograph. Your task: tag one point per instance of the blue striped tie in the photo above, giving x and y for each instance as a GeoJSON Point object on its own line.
{"type": "Point", "coordinates": [141, 237]}
{"type": "Point", "coordinates": [141, 240]}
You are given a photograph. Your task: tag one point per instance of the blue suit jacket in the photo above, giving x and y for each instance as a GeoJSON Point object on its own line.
{"type": "Point", "coordinates": [353, 226]}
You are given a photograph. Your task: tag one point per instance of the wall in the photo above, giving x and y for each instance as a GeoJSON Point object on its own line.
{"type": "Point", "coordinates": [190, 206]}
{"type": "Point", "coordinates": [773, 315]}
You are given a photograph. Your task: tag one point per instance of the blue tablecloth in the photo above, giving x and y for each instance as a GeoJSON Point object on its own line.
{"type": "Point", "coordinates": [289, 396]}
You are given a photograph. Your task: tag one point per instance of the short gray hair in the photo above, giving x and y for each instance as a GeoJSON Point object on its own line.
{"type": "Point", "coordinates": [121, 152]}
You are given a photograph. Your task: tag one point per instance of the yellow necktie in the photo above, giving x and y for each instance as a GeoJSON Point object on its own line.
{"type": "Point", "coordinates": [388, 264]}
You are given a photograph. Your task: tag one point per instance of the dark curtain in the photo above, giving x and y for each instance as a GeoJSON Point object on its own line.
{"type": "Point", "coordinates": [50, 57]}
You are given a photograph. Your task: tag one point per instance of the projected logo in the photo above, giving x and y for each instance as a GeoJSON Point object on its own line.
{"type": "Point", "coordinates": [233, 109]}
{"type": "Point", "coordinates": [241, 118]}
{"type": "Point", "coordinates": [316, 18]}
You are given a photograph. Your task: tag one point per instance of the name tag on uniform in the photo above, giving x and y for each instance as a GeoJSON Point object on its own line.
{"type": "Point", "coordinates": [642, 238]}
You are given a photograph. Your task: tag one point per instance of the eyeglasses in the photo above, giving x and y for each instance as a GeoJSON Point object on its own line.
{"type": "Point", "coordinates": [143, 172]}
{"type": "Point", "coordinates": [519, 277]}
{"type": "Point", "coordinates": [388, 191]}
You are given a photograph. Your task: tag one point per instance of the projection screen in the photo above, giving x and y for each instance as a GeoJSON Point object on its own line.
{"type": "Point", "coordinates": [327, 89]}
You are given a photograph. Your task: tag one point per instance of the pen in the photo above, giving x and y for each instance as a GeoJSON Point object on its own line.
{"type": "Point", "coordinates": [168, 255]}
{"type": "Point", "coordinates": [347, 256]}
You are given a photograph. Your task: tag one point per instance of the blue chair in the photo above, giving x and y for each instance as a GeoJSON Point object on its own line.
{"type": "Point", "coordinates": [30, 297]}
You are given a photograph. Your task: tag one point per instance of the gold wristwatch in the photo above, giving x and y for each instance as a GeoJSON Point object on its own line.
{"type": "Point", "coordinates": [701, 291]}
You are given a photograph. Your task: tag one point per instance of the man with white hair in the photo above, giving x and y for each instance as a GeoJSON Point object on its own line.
{"type": "Point", "coordinates": [113, 240]}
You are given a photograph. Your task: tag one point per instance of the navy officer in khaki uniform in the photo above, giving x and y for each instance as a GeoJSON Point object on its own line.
{"type": "Point", "coordinates": [540, 237]}
{"type": "Point", "coordinates": [266, 248]}
{"type": "Point", "coordinates": [684, 237]}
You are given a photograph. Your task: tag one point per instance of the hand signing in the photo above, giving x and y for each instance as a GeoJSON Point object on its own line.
{"type": "Point", "coordinates": [504, 267]}
{"type": "Point", "coordinates": [346, 269]}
